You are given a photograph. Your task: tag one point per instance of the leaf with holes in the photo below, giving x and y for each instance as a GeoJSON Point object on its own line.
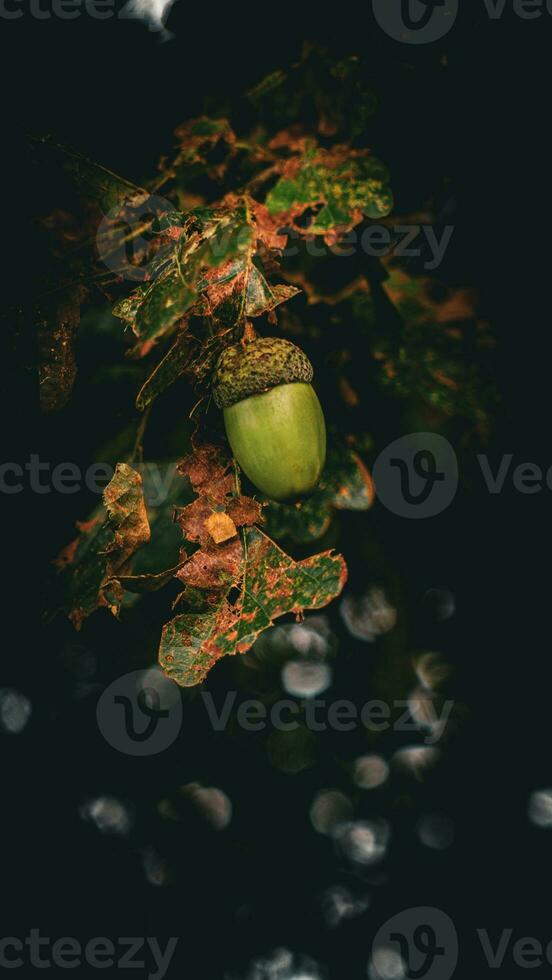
{"type": "Point", "coordinates": [342, 184]}
{"type": "Point", "coordinates": [214, 241]}
{"type": "Point", "coordinates": [205, 146]}
{"type": "Point", "coordinates": [271, 584]}
{"type": "Point", "coordinates": [105, 547]}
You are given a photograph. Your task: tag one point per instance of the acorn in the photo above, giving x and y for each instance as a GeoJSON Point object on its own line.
{"type": "Point", "coordinates": [273, 419]}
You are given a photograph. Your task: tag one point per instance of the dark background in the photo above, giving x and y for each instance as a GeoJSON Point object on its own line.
{"type": "Point", "coordinates": [112, 91]}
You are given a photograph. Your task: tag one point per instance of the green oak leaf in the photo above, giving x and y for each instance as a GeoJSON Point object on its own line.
{"type": "Point", "coordinates": [346, 186]}
{"type": "Point", "coordinates": [165, 302]}
{"type": "Point", "coordinates": [271, 584]}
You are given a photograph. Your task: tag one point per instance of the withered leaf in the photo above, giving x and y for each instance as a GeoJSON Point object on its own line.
{"type": "Point", "coordinates": [107, 543]}
{"type": "Point", "coordinates": [208, 470]}
{"type": "Point", "coordinates": [221, 527]}
{"type": "Point", "coordinates": [214, 566]}
{"type": "Point", "coordinates": [217, 562]}
{"type": "Point", "coordinates": [205, 144]}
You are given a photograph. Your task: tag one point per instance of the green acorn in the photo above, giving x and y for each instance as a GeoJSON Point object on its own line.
{"type": "Point", "coordinates": [273, 419]}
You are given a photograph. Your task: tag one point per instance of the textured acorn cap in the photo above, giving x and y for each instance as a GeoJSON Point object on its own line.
{"type": "Point", "coordinates": [250, 369]}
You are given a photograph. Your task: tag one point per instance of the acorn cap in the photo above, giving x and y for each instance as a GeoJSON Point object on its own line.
{"type": "Point", "coordinates": [250, 369]}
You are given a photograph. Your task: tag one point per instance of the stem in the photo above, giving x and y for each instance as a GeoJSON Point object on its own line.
{"type": "Point", "coordinates": [138, 450]}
